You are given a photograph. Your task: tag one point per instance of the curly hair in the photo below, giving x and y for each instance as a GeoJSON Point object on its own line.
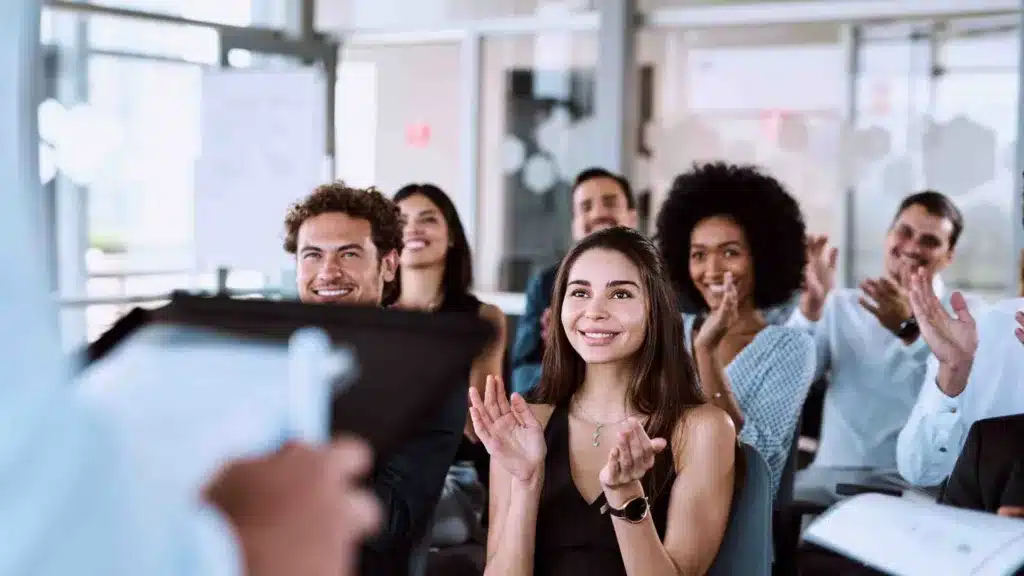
{"type": "Point", "coordinates": [366, 203]}
{"type": "Point", "coordinates": [759, 204]}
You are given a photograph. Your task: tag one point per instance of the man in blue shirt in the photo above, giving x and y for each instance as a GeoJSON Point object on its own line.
{"type": "Point", "coordinates": [72, 501]}
{"type": "Point", "coordinates": [600, 199]}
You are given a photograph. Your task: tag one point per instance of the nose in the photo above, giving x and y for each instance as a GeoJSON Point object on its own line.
{"type": "Point", "coordinates": [330, 267]}
{"type": "Point", "coordinates": [712, 267]}
{"type": "Point", "coordinates": [596, 309]}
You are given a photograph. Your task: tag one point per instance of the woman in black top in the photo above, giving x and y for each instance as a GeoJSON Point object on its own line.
{"type": "Point", "coordinates": [437, 271]}
{"type": "Point", "coordinates": [619, 426]}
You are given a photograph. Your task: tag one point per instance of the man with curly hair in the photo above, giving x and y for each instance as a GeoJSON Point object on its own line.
{"type": "Point", "coordinates": [868, 339]}
{"type": "Point", "coordinates": [347, 242]}
{"type": "Point", "coordinates": [600, 199]}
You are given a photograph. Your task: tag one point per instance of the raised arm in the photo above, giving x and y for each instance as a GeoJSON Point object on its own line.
{"type": "Point", "coordinates": [700, 499]}
{"type": "Point", "coordinates": [514, 438]}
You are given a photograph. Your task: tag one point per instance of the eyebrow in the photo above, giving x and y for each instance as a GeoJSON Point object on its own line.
{"type": "Point", "coordinates": [726, 243]}
{"type": "Point", "coordinates": [611, 284]}
{"type": "Point", "coordinates": [342, 248]}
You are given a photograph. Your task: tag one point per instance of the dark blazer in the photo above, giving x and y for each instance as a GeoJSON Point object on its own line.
{"type": "Point", "coordinates": [408, 486]}
{"type": "Point", "coordinates": [528, 349]}
{"type": "Point", "coordinates": [990, 470]}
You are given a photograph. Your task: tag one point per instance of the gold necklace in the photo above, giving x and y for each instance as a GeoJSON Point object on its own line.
{"type": "Point", "coordinates": [600, 425]}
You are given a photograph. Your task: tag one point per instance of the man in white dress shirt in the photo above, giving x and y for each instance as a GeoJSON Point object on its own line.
{"type": "Point", "coordinates": [71, 501]}
{"type": "Point", "coordinates": [867, 340]}
{"type": "Point", "coordinates": [977, 372]}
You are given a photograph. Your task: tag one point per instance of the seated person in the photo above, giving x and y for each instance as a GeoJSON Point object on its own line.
{"type": "Point", "coordinates": [867, 340]}
{"type": "Point", "coordinates": [600, 199]}
{"type": "Point", "coordinates": [620, 468]}
{"type": "Point", "coordinates": [977, 372]}
{"type": "Point", "coordinates": [346, 243]}
{"type": "Point", "coordinates": [989, 474]}
{"type": "Point", "coordinates": [733, 242]}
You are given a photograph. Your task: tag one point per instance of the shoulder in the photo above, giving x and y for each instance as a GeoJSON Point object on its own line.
{"type": "Point", "coordinates": [790, 341]}
{"type": "Point", "coordinates": [542, 412]}
{"type": "Point", "coordinates": [703, 431]}
{"type": "Point", "coordinates": [492, 314]}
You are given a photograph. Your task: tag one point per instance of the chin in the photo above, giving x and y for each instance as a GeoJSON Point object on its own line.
{"type": "Point", "coordinates": [418, 260]}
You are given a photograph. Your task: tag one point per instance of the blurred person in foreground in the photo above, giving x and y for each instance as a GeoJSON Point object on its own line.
{"type": "Point", "coordinates": [347, 244]}
{"type": "Point", "coordinates": [71, 501]}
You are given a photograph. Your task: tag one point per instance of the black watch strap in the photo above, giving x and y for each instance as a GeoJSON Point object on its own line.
{"type": "Point", "coordinates": [634, 511]}
{"type": "Point", "coordinates": [908, 329]}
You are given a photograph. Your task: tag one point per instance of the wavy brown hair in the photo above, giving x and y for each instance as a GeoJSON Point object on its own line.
{"type": "Point", "coordinates": [664, 383]}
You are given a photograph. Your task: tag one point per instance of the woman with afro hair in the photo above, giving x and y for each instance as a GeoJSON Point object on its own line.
{"type": "Point", "coordinates": [733, 241]}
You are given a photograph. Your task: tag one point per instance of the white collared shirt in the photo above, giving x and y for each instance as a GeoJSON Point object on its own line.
{"type": "Point", "coordinates": [874, 379]}
{"type": "Point", "coordinates": [937, 428]}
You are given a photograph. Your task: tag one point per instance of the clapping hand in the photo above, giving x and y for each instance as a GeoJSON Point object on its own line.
{"type": "Point", "coordinates": [721, 318]}
{"type": "Point", "coordinates": [631, 457]}
{"type": "Point", "coordinates": [510, 432]}
{"type": "Point", "coordinates": [1020, 330]}
{"type": "Point", "coordinates": [888, 301]}
{"type": "Point", "coordinates": [819, 276]}
{"type": "Point", "coordinates": [953, 341]}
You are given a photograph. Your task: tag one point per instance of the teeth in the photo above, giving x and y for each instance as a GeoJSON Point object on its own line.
{"type": "Point", "coordinates": [598, 334]}
{"type": "Point", "coordinates": [332, 293]}
{"type": "Point", "coordinates": [717, 288]}
{"type": "Point", "coordinates": [415, 244]}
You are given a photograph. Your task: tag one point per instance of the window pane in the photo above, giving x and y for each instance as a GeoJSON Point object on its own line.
{"type": "Point", "coordinates": [335, 14]}
{"type": "Point", "coordinates": [234, 12]}
{"type": "Point", "coordinates": [537, 123]}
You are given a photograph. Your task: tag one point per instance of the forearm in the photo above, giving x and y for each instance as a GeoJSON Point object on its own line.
{"type": "Point", "coordinates": [515, 547]}
{"type": "Point", "coordinates": [715, 384]}
{"type": "Point", "coordinates": [641, 548]}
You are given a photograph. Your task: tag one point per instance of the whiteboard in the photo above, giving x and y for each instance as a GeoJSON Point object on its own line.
{"type": "Point", "coordinates": [261, 148]}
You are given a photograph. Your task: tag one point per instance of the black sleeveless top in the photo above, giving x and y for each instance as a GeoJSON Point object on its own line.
{"type": "Point", "coordinates": [573, 537]}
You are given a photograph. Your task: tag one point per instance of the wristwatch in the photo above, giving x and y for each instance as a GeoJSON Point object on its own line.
{"type": "Point", "coordinates": [908, 329]}
{"type": "Point", "coordinates": [633, 512]}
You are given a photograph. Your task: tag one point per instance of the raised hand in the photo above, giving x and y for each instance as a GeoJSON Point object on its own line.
{"type": "Point", "coordinates": [631, 457]}
{"type": "Point", "coordinates": [1020, 330]}
{"type": "Point", "coordinates": [953, 341]}
{"type": "Point", "coordinates": [720, 319]}
{"type": "Point", "coordinates": [511, 433]}
{"type": "Point", "coordinates": [887, 301]}
{"type": "Point", "coordinates": [819, 276]}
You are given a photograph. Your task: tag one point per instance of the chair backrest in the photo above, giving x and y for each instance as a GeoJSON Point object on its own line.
{"type": "Point", "coordinates": [784, 496]}
{"type": "Point", "coordinates": [746, 549]}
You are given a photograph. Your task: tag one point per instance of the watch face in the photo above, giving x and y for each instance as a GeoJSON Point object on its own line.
{"type": "Point", "coordinates": [635, 510]}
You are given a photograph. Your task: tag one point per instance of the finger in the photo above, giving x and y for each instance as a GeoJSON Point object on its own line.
{"type": "Point", "coordinates": [639, 450]}
{"type": "Point", "coordinates": [1020, 334]}
{"type": "Point", "coordinates": [475, 401]}
{"type": "Point", "coordinates": [833, 257]}
{"type": "Point", "coordinates": [869, 305]}
{"type": "Point", "coordinates": [659, 444]}
{"type": "Point", "coordinates": [363, 514]}
{"type": "Point", "coordinates": [522, 411]}
{"type": "Point", "coordinates": [614, 468]}
{"type": "Point", "coordinates": [500, 392]}
{"type": "Point", "coordinates": [959, 304]}
{"type": "Point", "coordinates": [625, 454]}
{"type": "Point", "coordinates": [887, 286]}
{"type": "Point", "coordinates": [490, 399]}
{"type": "Point", "coordinates": [482, 428]}
{"type": "Point", "coordinates": [349, 458]}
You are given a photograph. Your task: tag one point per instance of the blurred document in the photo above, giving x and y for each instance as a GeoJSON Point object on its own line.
{"type": "Point", "coordinates": [185, 400]}
{"type": "Point", "coordinates": [262, 147]}
{"type": "Point", "coordinates": [910, 537]}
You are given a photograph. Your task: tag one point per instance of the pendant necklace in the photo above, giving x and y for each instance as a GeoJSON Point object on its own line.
{"type": "Point", "coordinates": [600, 425]}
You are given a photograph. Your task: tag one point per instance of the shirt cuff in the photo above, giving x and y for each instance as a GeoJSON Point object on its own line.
{"type": "Point", "coordinates": [798, 320]}
{"type": "Point", "coordinates": [218, 550]}
{"type": "Point", "coordinates": [935, 401]}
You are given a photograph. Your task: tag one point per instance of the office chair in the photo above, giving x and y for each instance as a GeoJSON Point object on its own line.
{"type": "Point", "coordinates": [746, 548]}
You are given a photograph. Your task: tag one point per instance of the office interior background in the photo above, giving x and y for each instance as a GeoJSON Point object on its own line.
{"type": "Point", "coordinates": [852, 103]}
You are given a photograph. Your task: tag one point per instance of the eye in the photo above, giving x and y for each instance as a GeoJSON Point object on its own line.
{"type": "Point", "coordinates": [696, 256]}
{"type": "Point", "coordinates": [311, 255]}
{"type": "Point", "coordinates": [621, 295]}
{"type": "Point", "coordinates": [430, 220]}
{"type": "Point", "coordinates": [578, 293]}
{"type": "Point", "coordinates": [350, 254]}
{"type": "Point", "coordinates": [732, 252]}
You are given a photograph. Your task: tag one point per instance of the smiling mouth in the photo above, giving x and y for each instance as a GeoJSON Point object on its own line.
{"type": "Point", "coordinates": [332, 292]}
{"type": "Point", "coordinates": [416, 244]}
{"type": "Point", "coordinates": [598, 338]}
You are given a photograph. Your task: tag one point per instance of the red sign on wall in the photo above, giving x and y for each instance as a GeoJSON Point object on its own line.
{"type": "Point", "coordinates": [417, 135]}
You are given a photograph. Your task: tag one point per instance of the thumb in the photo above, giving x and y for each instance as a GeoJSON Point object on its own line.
{"type": "Point", "coordinates": [960, 307]}
{"type": "Point", "coordinates": [659, 444]}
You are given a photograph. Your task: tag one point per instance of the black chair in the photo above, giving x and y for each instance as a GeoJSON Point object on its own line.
{"type": "Point", "coordinates": [786, 517]}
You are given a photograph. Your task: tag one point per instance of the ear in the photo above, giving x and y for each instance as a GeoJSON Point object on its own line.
{"type": "Point", "coordinates": [632, 218]}
{"type": "Point", "coordinates": [389, 266]}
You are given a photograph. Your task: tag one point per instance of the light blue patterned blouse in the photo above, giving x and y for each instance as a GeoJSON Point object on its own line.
{"type": "Point", "coordinates": [770, 379]}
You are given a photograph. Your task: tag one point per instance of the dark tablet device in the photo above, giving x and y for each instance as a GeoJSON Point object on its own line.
{"type": "Point", "coordinates": [406, 364]}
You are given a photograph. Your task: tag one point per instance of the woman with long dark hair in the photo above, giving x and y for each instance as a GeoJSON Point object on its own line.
{"type": "Point", "coordinates": [620, 467]}
{"type": "Point", "coordinates": [436, 271]}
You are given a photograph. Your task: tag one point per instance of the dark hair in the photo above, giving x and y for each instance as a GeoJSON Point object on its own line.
{"type": "Point", "coordinates": [757, 203]}
{"type": "Point", "coordinates": [365, 203]}
{"type": "Point", "coordinates": [936, 204]}
{"type": "Point", "coordinates": [595, 173]}
{"type": "Point", "coordinates": [664, 382]}
{"type": "Point", "coordinates": [458, 262]}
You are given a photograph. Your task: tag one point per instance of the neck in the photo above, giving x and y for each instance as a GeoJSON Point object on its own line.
{"type": "Point", "coordinates": [748, 319]}
{"type": "Point", "coordinates": [421, 287]}
{"type": "Point", "coordinates": [603, 393]}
